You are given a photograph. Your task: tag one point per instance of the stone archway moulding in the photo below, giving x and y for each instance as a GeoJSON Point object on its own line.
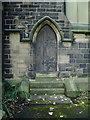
{"type": "Point", "coordinates": [58, 32]}
{"type": "Point", "coordinates": [49, 21]}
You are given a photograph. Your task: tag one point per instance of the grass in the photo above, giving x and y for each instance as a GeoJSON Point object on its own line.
{"type": "Point", "coordinates": [79, 110]}
{"type": "Point", "coordinates": [12, 98]}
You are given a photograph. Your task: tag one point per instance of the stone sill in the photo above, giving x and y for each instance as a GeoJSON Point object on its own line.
{"type": "Point", "coordinates": [82, 28]}
{"type": "Point", "coordinates": [25, 40]}
{"type": "Point", "coordinates": [67, 40]}
{"type": "Point", "coordinates": [13, 30]}
{"type": "Point", "coordinates": [80, 31]}
{"type": "Point", "coordinates": [28, 39]}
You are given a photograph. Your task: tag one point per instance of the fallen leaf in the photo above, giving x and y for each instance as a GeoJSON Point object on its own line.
{"type": "Point", "coordinates": [51, 108]}
{"type": "Point", "coordinates": [61, 116]}
{"type": "Point", "coordinates": [50, 113]}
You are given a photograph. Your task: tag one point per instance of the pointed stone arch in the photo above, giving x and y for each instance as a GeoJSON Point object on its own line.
{"type": "Point", "coordinates": [54, 26]}
{"type": "Point", "coordinates": [46, 21]}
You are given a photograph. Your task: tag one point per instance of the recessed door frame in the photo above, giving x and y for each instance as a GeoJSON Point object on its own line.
{"type": "Point", "coordinates": [48, 21]}
{"type": "Point", "coordinates": [46, 51]}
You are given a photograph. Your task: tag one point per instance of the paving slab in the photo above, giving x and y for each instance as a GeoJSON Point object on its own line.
{"type": "Point", "coordinates": [49, 99]}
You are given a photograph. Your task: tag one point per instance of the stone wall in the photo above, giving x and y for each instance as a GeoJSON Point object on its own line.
{"type": "Point", "coordinates": [17, 56]}
{"type": "Point", "coordinates": [74, 58]}
{"type": "Point", "coordinates": [26, 14]}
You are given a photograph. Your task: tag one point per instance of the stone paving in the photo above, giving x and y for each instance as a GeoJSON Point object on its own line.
{"type": "Point", "coordinates": [49, 99]}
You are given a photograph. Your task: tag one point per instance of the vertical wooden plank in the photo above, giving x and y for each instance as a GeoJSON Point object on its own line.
{"type": "Point", "coordinates": [50, 52]}
{"type": "Point", "coordinates": [46, 50]}
{"type": "Point", "coordinates": [39, 51]}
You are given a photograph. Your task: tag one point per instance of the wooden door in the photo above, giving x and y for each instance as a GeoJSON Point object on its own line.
{"type": "Point", "coordinates": [46, 51]}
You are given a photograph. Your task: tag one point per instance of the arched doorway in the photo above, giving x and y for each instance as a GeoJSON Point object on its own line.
{"type": "Point", "coordinates": [46, 50]}
{"type": "Point", "coordinates": [46, 36]}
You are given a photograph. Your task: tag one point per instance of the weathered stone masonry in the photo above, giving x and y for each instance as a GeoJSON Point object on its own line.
{"type": "Point", "coordinates": [79, 57]}
{"type": "Point", "coordinates": [18, 20]}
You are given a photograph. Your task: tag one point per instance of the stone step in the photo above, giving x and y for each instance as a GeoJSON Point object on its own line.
{"type": "Point", "coordinates": [46, 84]}
{"type": "Point", "coordinates": [48, 91]}
{"type": "Point", "coordinates": [45, 78]}
{"type": "Point", "coordinates": [49, 99]}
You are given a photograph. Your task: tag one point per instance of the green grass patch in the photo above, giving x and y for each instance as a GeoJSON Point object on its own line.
{"type": "Point", "coordinates": [56, 111]}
